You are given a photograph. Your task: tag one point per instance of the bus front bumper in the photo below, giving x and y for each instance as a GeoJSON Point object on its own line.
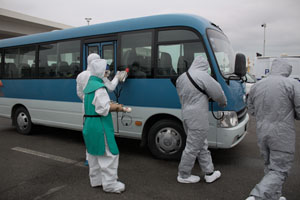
{"type": "Point", "coordinates": [230, 137]}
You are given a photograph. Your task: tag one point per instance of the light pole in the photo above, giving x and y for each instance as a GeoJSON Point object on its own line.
{"type": "Point", "coordinates": [265, 26]}
{"type": "Point", "coordinates": [88, 19]}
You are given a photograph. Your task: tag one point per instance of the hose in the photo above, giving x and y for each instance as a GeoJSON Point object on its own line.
{"type": "Point", "coordinates": [212, 111]}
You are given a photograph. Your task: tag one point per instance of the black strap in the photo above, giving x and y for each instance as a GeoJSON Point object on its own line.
{"type": "Point", "coordinates": [92, 115]}
{"type": "Point", "coordinates": [193, 82]}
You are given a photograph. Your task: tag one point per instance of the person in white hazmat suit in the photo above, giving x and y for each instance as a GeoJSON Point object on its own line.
{"type": "Point", "coordinates": [98, 131]}
{"type": "Point", "coordinates": [275, 103]}
{"type": "Point", "coordinates": [84, 76]}
{"type": "Point", "coordinates": [194, 109]}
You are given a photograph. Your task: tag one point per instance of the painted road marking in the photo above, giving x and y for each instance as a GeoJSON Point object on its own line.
{"type": "Point", "coordinates": [49, 156]}
{"type": "Point", "coordinates": [49, 192]}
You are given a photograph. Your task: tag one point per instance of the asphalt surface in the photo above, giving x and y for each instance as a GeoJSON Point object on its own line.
{"type": "Point", "coordinates": [49, 165]}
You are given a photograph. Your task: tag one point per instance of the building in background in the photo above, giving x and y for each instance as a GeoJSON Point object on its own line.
{"type": "Point", "coordinates": [15, 24]}
{"type": "Point", "coordinates": [262, 66]}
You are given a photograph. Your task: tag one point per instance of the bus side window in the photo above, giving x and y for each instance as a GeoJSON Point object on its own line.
{"type": "Point", "coordinates": [176, 51]}
{"type": "Point", "coordinates": [59, 60]}
{"type": "Point", "coordinates": [47, 61]}
{"type": "Point", "coordinates": [11, 62]}
{"type": "Point", "coordinates": [182, 65]}
{"type": "Point", "coordinates": [165, 66]}
{"type": "Point", "coordinates": [108, 53]}
{"type": "Point", "coordinates": [68, 58]}
{"type": "Point", "coordinates": [27, 62]}
{"type": "Point", "coordinates": [136, 54]}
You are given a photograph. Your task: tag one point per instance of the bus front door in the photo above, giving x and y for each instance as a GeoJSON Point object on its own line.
{"type": "Point", "coordinates": [107, 51]}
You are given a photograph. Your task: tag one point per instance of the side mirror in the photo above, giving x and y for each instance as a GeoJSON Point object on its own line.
{"type": "Point", "coordinates": [240, 65]}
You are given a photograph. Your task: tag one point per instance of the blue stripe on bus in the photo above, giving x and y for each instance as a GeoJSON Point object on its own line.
{"type": "Point", "coordinates": [45, 89]}
{"type": "Point", "coordinates": [135, 92]}
{"type": "Point", "coordinates": [149, 93]}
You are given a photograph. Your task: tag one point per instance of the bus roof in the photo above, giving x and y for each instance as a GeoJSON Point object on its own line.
{"type": "Point", "coordinates": [156, 21]}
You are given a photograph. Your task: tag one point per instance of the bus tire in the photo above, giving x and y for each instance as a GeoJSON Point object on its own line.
{"type": "Point", "coordinates": [166, 139]}
{"type": "Point", "coordinates": [22, 121]}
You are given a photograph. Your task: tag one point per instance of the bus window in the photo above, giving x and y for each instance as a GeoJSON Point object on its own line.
{"type": "Point", "coordinates": [61, 60]}
{"type": "Point", "coordinates": [223, 51]}
{"type": "Point", "coordinates": [68, 59]}
{"type": "Point", "coordinates": [19, 62]}
{"type": "Point", "coordinates": [93, 49]}
{"type": "Point", "coordinates": [174, 59]}
{"type": "Point", "coordinates": [176, 35]}
{"type": "Point", "coordinates": [27, 62]}
{"type": "Point", "coordinates": [136, 54]}
{"type": "Point", "coordinates": [47, 61]}
{"type": "Point", "coordinates": [11, 62]}
{"type": "Point", "coordinates": [108, 54]}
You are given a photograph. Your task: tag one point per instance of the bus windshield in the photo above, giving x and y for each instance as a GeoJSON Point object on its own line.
{"type": "Point", "coordinates": [223, 51]}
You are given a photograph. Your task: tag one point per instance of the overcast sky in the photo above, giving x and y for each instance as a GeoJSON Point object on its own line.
{"type": "Point", "coordinates": [241, 20]}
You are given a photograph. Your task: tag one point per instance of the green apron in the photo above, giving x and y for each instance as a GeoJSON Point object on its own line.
{"type": "Point", "coordinates": [95, 126]}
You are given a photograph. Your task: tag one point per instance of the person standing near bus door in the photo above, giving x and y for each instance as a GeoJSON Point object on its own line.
{"type": "Point", "coordinates": [81, 82]}
{"type": "Point", "coordinates": [275, 103]}
{"type": "Point", "coordinates": [84, 76]}
{"type": "Point", "coordinates": [98, 131]}
{"type": "Point", "coordinates": [194, 110]}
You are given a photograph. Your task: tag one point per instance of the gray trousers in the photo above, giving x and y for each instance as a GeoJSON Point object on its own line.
{"type": "Point", "coordinates": [196, 148]}
{"type": "Point", "coordinates": [277, 166]}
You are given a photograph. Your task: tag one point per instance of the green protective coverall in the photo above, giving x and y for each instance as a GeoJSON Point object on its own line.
{"type": "Point", "coordinates": [95, 126]}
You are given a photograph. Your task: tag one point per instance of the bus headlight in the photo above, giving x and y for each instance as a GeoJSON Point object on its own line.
{"type": "Point", "coordinates": [229, 119]}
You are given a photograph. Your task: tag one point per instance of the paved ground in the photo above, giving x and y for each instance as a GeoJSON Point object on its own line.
{"type": "Point", "coordinates": [49, 165]}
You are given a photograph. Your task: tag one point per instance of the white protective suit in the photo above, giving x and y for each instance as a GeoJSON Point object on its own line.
{"type": "Point", "coordinates": [275, 103]}
{"type": "Point", "coordinates": [194, 105]}
{"type": "Point", "coordinates": [103, 169]}
{"type": "Point", "coordinates": [82, 80]}
{"type": "Point", "coordinates": [84, 76]}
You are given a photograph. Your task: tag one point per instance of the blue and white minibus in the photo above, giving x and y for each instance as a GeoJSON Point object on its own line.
{"type": "Point", "coordinates": [38, 78]}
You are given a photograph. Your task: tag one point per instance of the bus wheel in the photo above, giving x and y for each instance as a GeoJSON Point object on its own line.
{"type": "Point", "coordinates": [166, 139]}
{"type": "Point", "coordinates": [22, 121]}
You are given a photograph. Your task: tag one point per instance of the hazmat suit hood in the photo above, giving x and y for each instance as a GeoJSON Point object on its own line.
{"type": "Point", "coordinates": [281, 67]}
{"type": "Point", "coordinates": [91, 57]}
{"type": "Point", "coordinates": [98, 67]}
{"type": "Point", "coordinates": [200, 64]}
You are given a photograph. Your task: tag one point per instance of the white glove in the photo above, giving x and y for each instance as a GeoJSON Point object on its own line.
{"type": "Point", "coordinates": [118, 75]}
{"type": "Point", "coordinates": [127, 109]}
{"type": "Point", "coordinates": [122, 76]}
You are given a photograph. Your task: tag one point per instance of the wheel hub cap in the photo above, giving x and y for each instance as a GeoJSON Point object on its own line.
{"type": "Point", "coordinates": [168, 140]}
{"type": "Point", "coordinates": [22, 121]}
